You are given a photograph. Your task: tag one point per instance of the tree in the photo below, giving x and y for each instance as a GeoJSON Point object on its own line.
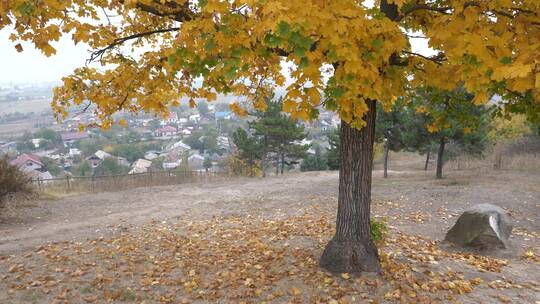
{"type": "Point", "coordinates": [12, 180]}
{"type": "Point", "coordinates": [249, 149]}
{"type": "Point", "coordinates": [89, 146]}
{"type": "Point", "coordinates": [439, 117]}
{"type": "Point", "coordinates": [332, 154]}
{"type": "Point", "coordinates": [202, 107]}
{"type": "Point", "coordinates": [51, 165]}
{"type": "Point", "coordinates": [279, 135]}
{"type": "Point", "coordinates": [83, 169]}
{"type": "Point", "coordinates": [203, 140]}
{"type": "Point", "coordinates": [356, 54]}
{"type": "Point", "coordinates": [207, 163]}
{"type": "Point", "coordinates": [109, 166]}
{"type": "Point", "coordinates": [316, 162]}
{"type": "Point", "coordinates": [131, 152]}
{"type": "Point", "coordinates": [389, 129]}
{"type": "Point", "coordinates": [52, 136]}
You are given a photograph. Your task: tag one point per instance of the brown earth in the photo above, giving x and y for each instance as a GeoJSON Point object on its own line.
{"type": "Point", "coordinates": [418, 209]}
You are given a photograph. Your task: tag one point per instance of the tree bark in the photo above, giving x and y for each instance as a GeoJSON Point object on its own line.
{"type": "Point", "coordinates": [386, 158]}
{"type": "Point", "coordinates": [351, 250]}
{"type": "Point", "coordinates": [440, 158]}
{"type": "Point", "coordinates": [263, 157]}
{"type": "Point", "coordinates": [282, 162]}
{"type": "Point", "coordinates": [427, 160]}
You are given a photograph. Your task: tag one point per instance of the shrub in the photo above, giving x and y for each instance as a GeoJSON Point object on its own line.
{"type": "Point", "coordinates": [12, 181]}
{"type": "Point", "coordinates": [378, 230]}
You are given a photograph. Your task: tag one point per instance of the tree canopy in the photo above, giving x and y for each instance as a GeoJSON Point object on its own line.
{"type": "Point", "coordinates": [147, 53]}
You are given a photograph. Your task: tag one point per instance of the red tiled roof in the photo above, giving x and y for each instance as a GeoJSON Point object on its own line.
{"type": "Point", "coordinates": [23, 158]}
{"type": "Point", "coordinates": [74, 136]}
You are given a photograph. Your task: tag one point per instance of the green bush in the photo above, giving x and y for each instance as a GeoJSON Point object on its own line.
{"type": "Point", "coordinates": [378, 230]}
{"type": "Point", "coordinates": [12, 181]}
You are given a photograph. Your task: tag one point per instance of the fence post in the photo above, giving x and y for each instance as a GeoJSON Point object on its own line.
{"type": "Point", "coordinates": [93, 186]}
{"type": "Point", "coordinates": [39, 184]}
{"type": "Point", "coordinates": [67, 182]}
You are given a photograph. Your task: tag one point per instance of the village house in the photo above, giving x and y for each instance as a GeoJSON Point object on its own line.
{"type": "Point", "coordinates": [8, 147]}
{"type": "Point", "coordinates": [32, 165]}
{"type": "Point", "coordinates": [172, 118]}
{"type": "Point", "coordinates": [166, 131]}
{"type": "Point", "coordinates": [98, 157]}
{"type": "Point", "coordinates": [179, 146]}
{"type": "Point", "coordinates": [140, 166]}
{"type": "Point", "coordinates": [70, 138]}
{"type": "Point", "coordinates": [196, 161]}
{"type": "Point", "coordinates": [195, 117]}
{"type": "Point", "coordinates": [152, 154]}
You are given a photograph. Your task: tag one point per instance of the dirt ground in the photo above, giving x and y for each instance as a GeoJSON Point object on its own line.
{"type": "Point", "coordinates": [418, 209]}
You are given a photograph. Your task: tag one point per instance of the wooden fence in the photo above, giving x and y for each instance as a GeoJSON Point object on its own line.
{"type": "Point", "coordinates": [94, 184]}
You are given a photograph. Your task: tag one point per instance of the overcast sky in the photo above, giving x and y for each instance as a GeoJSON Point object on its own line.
{"type": "Point", "coordinates": [32, 66]}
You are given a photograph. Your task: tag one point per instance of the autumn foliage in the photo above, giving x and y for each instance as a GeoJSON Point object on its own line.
{"type": "Point", "coordinates": [349, 51]}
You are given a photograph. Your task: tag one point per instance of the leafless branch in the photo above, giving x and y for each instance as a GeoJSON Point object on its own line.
{"type": "Point", "coordinates": [99, 53]}
{"type": "Point", "coordinates": [438, 59]}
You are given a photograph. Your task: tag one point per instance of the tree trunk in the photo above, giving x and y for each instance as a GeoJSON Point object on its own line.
{"type": "Point", "coordinates": [427, 160]}
{"type": "Point", "coordinates": [386, 158]}
{"type": "Point", "coordinates": [351, 250]}
{"type": "Point", "coordinates": [282, 162]}
{"type": "Point", "coordinates": [263, 161]}
{"type": "Point", "coordinates": [440, 160]}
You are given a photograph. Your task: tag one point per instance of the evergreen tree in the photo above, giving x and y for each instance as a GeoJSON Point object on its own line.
{"type": "Point", "coordinates": [447, 117]}
{"type": "Point", "coordinates": [249, 150]}
{"type": "Point", "coordinates": [389, 130]}
{"type": "Point", "coordinates": [314, 162]}
{"type": "Point", "coordinates": [207, 163]}
{"type": "Point", "coordinates": [202, 107]}
{"type": "Point", "coordinates": [279, 136]}
{"type": "Point", "coordinates": [332, 155]}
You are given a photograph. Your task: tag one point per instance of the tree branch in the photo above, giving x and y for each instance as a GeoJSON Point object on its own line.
{"type": "Point", "coordinates": [437, 59]}
{"type": "Point", "coordinates": [173, 10]}
{"type": "Point", "coordinates": [99, 53]}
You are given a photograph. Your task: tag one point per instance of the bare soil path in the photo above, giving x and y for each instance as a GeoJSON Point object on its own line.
{"type": "Point", "coordinates": [411, 201]}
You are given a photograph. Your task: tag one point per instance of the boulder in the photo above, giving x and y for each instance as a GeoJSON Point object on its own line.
{"type": "Point", "coordinates": [483, 226]}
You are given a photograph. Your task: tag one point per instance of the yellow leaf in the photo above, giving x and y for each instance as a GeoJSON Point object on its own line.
{"type": "Point", "coordinates": [480, 98]}
{"type": "Point", "coordinates": [295, 291]}
{"type": "Point", "coordinates": [237, 109]}
{"type": "Point", "coordinates": [192, 103]}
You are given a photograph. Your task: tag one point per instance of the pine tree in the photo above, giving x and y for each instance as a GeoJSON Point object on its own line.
{"type": "Point", "coordinates": [333, 158]}
{"type": "Point", "coordinates": [279, 136]}
{"type": "Point", "coordinates": [438, 118]}
{"type": "Point", "coordinates": [249, 150]}
{"type": "Point", "coordinates": [316, 162]}
{"type": "Point", "coordinates": [389, 130]}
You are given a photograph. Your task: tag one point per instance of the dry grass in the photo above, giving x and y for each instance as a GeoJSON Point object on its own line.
{"type": "Point", "coordinates": [13, 183]}
{"type": "Point", "coordinates": [78, 185]}
{"type": "Point", "coordinates": [522, 154]}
